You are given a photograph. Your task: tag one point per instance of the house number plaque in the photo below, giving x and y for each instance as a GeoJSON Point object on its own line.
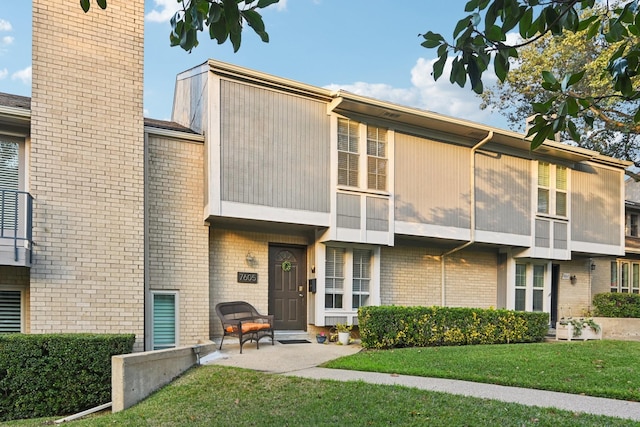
{"type": "Point", "coordinates": [247, 277]}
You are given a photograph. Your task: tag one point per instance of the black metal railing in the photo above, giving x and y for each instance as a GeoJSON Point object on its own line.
{"type": "Point", "coordinates": [16, 208]}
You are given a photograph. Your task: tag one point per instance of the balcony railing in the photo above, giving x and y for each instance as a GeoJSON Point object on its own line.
{"type": "Point", "coordinates": [16, 209]}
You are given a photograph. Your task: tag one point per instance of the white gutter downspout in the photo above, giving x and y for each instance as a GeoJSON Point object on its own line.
{"type": "Point", "coordinates": [472, 212]}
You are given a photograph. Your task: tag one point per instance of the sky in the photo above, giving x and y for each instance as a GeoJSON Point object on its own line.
{"type": "Point", "coordinates": [369, 47]}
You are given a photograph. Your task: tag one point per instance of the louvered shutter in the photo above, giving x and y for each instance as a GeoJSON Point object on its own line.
{"type": "Point", "coordinates": [164, 321]}
{"type": "Point", "coordinates": [9, 311]}
{"type": "Point", "coordinates": [9, 180]}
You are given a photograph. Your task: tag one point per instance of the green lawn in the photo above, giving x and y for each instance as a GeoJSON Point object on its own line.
{"type": "Point", "coordinates": [222, 396]}
{"type": "Point", "coordinates": [595, 368]}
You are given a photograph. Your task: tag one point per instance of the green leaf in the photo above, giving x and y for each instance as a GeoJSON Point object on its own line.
{"type": "Point", "coordinates": [471, 5]}
{"type": "Point", "coordinates": [540, 137]}
{"type": "Point", "coordinates": [235, 40]}
{"type": "Point", "coordinates": [254, 19]}
{"type": "Point", "coordinates": [572, 106]}
{"type": "Point", "coordinates": [231, 14]}
{"type": "Point", "coordinates": [548, 77]}
{"type": "Point", "coordinates": [636, 116]}
{"type": "Point", "coordinates": [438, 66]}
{"type": "Point", "coordinates": [218, 30]}
{"type": "Point", "coordinates": [431, 40]}
{"type": "Point", "coordinates": [501, 66]}
{"type": "Point", "coordinates": [540, 107]}
{"type": "Point", "coordinates": [102, 4]}
{"type": "Point", "coordinates": [461, 25]}
{"type": "Point", "coordinates": [85, 5]}
{"type": "Point", "coordinates": [573, 131]}
{"type": "Point", "coordinates": [575, 78]}
{"type": "Point", "coordinates": [525, 23]}
{"type": "Point", "coordinates": [495, 33]}
{"type": "Point", "coordinates": [475, 75]}
{"type": "Point", "coordinates": [215, 12]}
{"type": "Point", "coordinates": [264, 3]}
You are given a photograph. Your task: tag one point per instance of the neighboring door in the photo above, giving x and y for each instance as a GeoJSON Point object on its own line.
{"type": "Point", "coordinates": [287, 287]}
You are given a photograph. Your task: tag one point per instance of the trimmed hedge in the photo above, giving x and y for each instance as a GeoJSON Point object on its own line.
{"type": "Point", "coordinates": [56, 374]}
{"type": "Point", "coordinates": [395, 326]}
{"type": "Point", "coordinates": [616, 305]}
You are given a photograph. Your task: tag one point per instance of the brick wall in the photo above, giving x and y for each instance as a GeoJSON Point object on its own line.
{"type": "Point", "coordinates": [178, 237]}
{"type": "Point", "coordinates": [412, 276]}
{"type": "Point", "coordinates": [228, 251]}
{"type": "Point", "coordinates": [574, 299]}
{"type": "Point", "coordinates": [86, 168]}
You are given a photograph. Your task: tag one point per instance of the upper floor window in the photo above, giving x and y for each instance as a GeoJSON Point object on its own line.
{"type": "Point", "coordinates": [631, 226]}
{"type": "Point", "coordinates": [377, 158]}
{"type": "Point", "coordinates": [348, 152]}
{"type": "Point", "coordinates": [9, 182]}
{"type": "Point", "coordinates": [355, 138]}
{"type": "Point", "coordinates": [552, 189]}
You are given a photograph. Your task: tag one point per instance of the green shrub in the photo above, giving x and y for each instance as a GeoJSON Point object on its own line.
{"type": "Point", "coordinates": [395, 326]}
{"type": "Point", "coordinates": [616, 305]}
{"type": "Point", "coordinates": [56, 374]}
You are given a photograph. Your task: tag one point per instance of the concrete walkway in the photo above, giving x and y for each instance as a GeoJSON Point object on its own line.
{"type": "Point", "coordinates": [302, 360]}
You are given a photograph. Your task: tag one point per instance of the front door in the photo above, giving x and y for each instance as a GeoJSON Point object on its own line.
{"type": "Point", "coordinates": [288, 287]}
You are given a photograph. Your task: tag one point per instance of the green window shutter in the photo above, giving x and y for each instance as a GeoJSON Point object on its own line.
{"type": "Point", "coordinates": [164, 321]}
{"type": "Point", "coordinates": [9, 311]}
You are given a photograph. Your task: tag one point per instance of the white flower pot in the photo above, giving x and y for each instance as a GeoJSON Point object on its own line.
{"type": "Point", "coordinates": [343, 337]}
{"type": "Point", "coordinates": [565, 332]}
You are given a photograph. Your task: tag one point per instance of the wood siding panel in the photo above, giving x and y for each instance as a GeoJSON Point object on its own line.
{"type": "Point", "coordinates": [275, 149]}
{"type": "Point", "coordinates": [595, 205]}
{"type": "Point", "coordinates": [503, 194]}
{"type": "Point", "coordinates": [432, 184]}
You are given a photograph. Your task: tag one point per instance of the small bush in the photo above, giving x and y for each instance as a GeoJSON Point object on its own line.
{"type": "Point", "coordinates": [394, 326]}
{"type": "Point", "coordinates": [55, 374]}
{"type": "Point", "coordinates": [616, 305]}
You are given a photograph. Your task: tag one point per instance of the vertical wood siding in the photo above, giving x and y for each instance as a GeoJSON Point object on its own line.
{"type": "Point", "coordinates": [595, 205]}
{"type": "Point", "coordinates": [432, 184]}
{"type": "Point", "coordinates": [275, 149]}
{"type": "Point", "coordinates": [503, 194]}
{"type": "Point", "coordinates": [348, 211]}
{"type": "Point", "coordinates": [377, 214]}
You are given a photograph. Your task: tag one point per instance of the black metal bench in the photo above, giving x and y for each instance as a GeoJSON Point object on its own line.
{"type": "Point", "coordinates": [240, 319]}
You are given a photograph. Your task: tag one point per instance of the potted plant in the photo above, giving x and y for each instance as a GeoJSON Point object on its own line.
{"type": "Point", "coordinates": [344, 333]}
{"type": "Point", "coordinates": [584, 329]}
{"type": "Point", "coordinates": [321, 337]}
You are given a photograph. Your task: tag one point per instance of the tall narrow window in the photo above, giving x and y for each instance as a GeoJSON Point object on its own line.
{"type": "Point", "coordinates": [10, 309]}
{"type": "Point", "coordinates": [377, 158]}
{"type": "Point", "coordinates": [543, 187]}
{"type": "Point", "coordinates": [614, 276]}
{"type": "Point", "coordinates": [348, 154]}
{"type": "Point", "coordinates": [9, 183]}
{"type": "Point", "coordinates": [361, 278]}
{"type": "Point", "coordinates": [561, 190]}
{"type": "Point", "coordinates": [521, 287]}
{"type": "Point", "coordinates": [552, 189]}
{"type": "Point", "coordinates": [164, 320]}
{"type": "Point", "coordinates": [334, 278]}
{"type": "Point", "coordinates": [635, 281]}
{"type": "Point", "coordinates": [538, 287]}
{"type": "Point", "coordinates": [624, 277]}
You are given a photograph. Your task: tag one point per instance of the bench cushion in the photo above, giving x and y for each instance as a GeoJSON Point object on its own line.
{"type": "Point", "coordinates": [248, 327]}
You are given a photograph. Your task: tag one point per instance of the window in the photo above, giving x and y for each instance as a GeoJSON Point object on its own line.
{"type": "Point", "coordinates": [164, 320]}
{"type": "Point", "coordinates": [9, 183]}
{"type": "Point", "coordinates": [361, 278]}
{"type": "Point", "coordinates": [377, 158]}
{"type": "Point", "coordinates": [348, 156]}
{"type": "Point", "coordinates": [530, 284]}
{"type": "Point", "coordinates": [334, 281]}
{"type": "Point", "coordinates": [552, 189]}
{"type": "Point", "coordinates": [631, 226]}
{"type": "Point", "coordinates": [348, 278]}
{"type": "Point", "coordinates": [625, 276]}
{"type": "Point", "coordinates": [10, 312]}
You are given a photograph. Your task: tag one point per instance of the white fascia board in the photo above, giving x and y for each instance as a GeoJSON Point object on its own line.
{"type": "Point", "coordinates": [430, 230]}
{"type": "Point", "coordinates": [503, 238]}
{"type": "Point", "coordinates": [597, 248]}
{"type": "Point", "coordinates": [268, 213]}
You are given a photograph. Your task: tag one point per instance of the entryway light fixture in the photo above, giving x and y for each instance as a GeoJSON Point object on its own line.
{"type": "Point", "coordinates": [250, 259]}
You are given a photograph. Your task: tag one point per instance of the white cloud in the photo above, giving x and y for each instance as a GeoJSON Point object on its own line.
{"type": "Point", "coordinates": [6, 41]}
{"type": "Point", "coordinates": [23, 75]}
{"type": "Point", "coordinates": [440, 96]}
{"type": "Point", "coordinates": [165, 9]}
{"type": "Point", "coordinates": [5, 25]}
{"type": "Point", "coordinates": [4, 73]}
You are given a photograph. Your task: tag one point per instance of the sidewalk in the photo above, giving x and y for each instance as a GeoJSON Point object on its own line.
{"type": "Point", "coordinates": [302, 360]}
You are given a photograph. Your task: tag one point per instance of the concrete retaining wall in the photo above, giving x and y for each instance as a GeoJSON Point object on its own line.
{"type": "Point", "coordinates": [615, 328]}
{"type": "Point", "coordinates": [135, 376]}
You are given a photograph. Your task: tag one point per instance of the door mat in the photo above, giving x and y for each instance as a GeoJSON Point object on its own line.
{"type": "Point", "coordinates": [294, 341]}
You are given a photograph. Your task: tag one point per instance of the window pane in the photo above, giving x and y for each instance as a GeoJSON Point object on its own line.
{"type": "Point", "coordinates": [561, 203]}
{"type": "Point", "coordinates": [9, 180]}
{"type": "Point", "coordinates": [521, 275]}
{"type": "Point", "coordinates": [614, 277]}
{"type": "Point", "coordinates": [9, 311]}
{"type": "Point", "coordinates": [543, 200]}
{"type": "Point", "coordinates": [164, 321]}
{"type": "Point", "coordinates": [635, 283]}
{"type": "Point", "coordinates": [561, 177]}
{"type": "Point", "coordinates": [624, 283]}
{"type": "Point", "coordinates": [634, 225]}
{"type": "Point", "coordinates": [537, 299]}
{"type": "Point", "coordinates": [538, 276]}
{"type": "Point", "coordinates": [543, 174]}
{"type": "Point", "coordinates": [520, 299]}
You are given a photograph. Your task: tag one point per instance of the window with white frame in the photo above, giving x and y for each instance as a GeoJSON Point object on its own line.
{"type": "Point", "coordinates": [334, 277]}
{"type": "Point", "coordinates": [361, 278]}
{"type": "Point", "coordinates": [165, 319]}
{"type": "Point", "coordinates": [10, 312]}
{"type": "Point", "coordinates": [348, 276]}
{"type": "Point", "coordinates": [9, 182]}
{"type": "Point", "coordinates": [348, 152]}
{"type": "Point", "coordinates": [377, 158]}
{"type": "Point", "coordinates": [552, 189]}
{"type": "Point", "coordinates": [631, 225]}
{"type": "Point", "coordinates": [625, 276]}
{"type": "Point", "coordinates": [529, 287]}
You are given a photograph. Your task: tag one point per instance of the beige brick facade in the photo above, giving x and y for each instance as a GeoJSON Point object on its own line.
{"type": "Point", "coordinates": [86, 168]}
{"type": "Point", "coordinates": [177, 235]}
{"type": "Point", "coordinates": [574, 298]}
{"type": "Point", "coordinates": [413, 276]}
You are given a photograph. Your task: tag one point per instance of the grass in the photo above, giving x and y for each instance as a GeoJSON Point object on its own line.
{"type": "Point", "coordinates": [595, 368]}
{"type": "Point", "coordinates": [222, 396]}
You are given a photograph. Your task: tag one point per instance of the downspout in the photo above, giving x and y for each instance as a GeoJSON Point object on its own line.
{"type": "Point", "coordinates": [472, 213]}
